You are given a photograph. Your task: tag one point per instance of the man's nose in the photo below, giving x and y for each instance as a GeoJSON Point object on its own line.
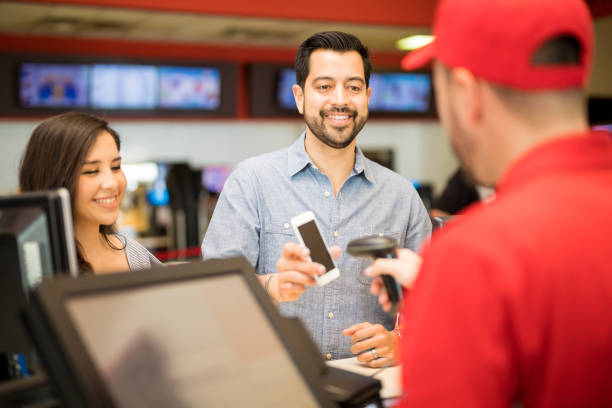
{"type": "Point", "coordinates": [339, 96]}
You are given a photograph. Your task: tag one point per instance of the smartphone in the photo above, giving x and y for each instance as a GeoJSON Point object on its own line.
{"type": "Point", "coordinates": [307, 230]}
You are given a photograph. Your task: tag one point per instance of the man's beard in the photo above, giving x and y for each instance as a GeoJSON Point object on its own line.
{"type": "Point", "coordinates": [316, 124]}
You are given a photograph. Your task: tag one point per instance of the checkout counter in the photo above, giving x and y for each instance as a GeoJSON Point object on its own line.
{"type": "Point", "coordinates": [173, 337]}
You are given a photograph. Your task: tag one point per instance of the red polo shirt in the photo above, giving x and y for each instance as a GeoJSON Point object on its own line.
{"type": "Point", "coordinates": [514, 299]}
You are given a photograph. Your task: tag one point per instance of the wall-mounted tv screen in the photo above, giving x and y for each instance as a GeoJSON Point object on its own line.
{"type": "Point", "coordinates": [124, 86]}
{"type": "Point", "coordinates": [53, 85]}
{"type": "Point", "coordinates": [393, 92]}
{"type": "Point", "coordinates": [284, 92]}
{"type": "Point", "coordinates": [400, 92]}
{"type": "Point", "coordinates": [214, 177]}
{"type": "Point", "coordinates": [189, 88]}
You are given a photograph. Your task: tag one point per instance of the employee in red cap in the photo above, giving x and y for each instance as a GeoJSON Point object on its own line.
{"type": "Point", "coordinates": [513, 300]}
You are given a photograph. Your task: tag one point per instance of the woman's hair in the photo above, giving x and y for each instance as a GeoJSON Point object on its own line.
{"type": "Point", "coordinates": [54, 156]}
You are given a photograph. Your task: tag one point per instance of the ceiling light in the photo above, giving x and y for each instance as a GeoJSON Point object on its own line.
{"type": "Point", "coordinates": [413, 42]}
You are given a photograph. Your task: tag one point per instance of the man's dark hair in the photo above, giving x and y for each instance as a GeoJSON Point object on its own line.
{"type": "Point", "coordinates": [329, 40]}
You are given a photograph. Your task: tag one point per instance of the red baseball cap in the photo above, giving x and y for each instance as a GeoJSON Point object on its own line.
{"type": "Point", "coordinates": [496, 40]}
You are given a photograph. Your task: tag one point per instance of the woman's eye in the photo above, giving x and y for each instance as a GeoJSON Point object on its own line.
{"type": "Point", "coordinates": [116, 168]}
{"type": "Point", "coordinates": [90, 172]}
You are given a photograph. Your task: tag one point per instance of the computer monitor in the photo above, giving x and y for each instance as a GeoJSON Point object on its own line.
{"type": "Point", "coordinates": [198, 334]}
{"type": "Point", "coordinates": [36, 241]}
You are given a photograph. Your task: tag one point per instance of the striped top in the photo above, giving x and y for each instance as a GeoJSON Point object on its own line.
{"type": "Point", "coordinates": [138, 257]}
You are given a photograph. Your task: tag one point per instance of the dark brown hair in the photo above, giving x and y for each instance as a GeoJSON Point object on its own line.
{"type": "Point", "coordinates": [329, 40]}
{"type": "Point", "coordinates": [54, 156]}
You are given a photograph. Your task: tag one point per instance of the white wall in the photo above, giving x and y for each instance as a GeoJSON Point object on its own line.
{"type": "Point", "coordinates": [421, 149]}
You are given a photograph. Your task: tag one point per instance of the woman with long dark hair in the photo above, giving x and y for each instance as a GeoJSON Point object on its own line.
{"type": "Point", "coordinates": [80, 152]}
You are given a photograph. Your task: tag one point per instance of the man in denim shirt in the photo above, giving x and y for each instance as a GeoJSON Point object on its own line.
{"type": "Point", "coordinates": [351, 196]}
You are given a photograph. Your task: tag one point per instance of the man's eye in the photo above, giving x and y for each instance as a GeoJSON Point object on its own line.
{"type": "Point", "coordinates": [324, 87]}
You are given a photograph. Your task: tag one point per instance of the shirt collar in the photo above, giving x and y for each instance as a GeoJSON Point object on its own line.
{"type": "Point", "coordinates": [298, 159]}
{"type": "Point", "coordinates": [569, 153]}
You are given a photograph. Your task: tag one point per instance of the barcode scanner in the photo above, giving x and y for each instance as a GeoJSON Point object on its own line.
{"type": "Point", "coordinates": [378, 246]}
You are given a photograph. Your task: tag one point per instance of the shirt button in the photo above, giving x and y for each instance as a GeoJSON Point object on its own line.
{"type": "Point", "coordinates": [335, 233]}
{"type": "Point", "coordinates": [285, 225]}
{"type": "Point", "coordinates": [327, 194]}
{"type": "Point", "coordinates": [328, 356]}
{"type": "Point", "coordinates": [331, 315]}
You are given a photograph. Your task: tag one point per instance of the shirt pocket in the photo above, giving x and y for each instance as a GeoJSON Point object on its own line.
{"type": "Point", "coordinates": [365, 262]}
{"type": "Point", "coordinates": [276, 233]}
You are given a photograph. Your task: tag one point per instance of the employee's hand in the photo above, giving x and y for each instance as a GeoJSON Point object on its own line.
{"type": "Point", "coordinates": [405, 269]}
{"type": "Point", "coordinates": [295, 272]}
{"type": "Point", "coordinates": [366, 337]}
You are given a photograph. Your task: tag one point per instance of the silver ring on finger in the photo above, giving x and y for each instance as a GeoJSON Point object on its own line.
{"type": "Point", "coordinates": [374, 354]}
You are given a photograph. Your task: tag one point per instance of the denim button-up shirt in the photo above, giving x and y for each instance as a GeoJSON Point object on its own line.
{"type": "Point", "coordinates": [252, 218]}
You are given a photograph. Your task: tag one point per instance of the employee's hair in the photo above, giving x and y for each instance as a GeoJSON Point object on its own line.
{"type": "Point", "coordinates": [54, 156]}
{"type": "Point", "coordinates": [329, 40]}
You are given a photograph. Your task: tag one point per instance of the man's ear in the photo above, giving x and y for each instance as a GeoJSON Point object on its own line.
{"type": "Point", "coordinates": [467, 97]}
{"type": "Point", "coordinates": [298, 95]}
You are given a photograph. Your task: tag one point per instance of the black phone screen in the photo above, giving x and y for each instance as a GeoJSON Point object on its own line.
{"type": "Point", "coordinates": [313, 240]}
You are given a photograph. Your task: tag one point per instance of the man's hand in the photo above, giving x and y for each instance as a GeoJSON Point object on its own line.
{"type": "Point", "coordinates": [405, 269]}
{"type": "Point", "coordinates": [366, 337]}
{"type": "Point", "coordinates": [295, 272]}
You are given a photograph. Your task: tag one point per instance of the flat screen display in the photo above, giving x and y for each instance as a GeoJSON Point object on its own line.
{"type": "Point", "coordinates": [214, 176]}
{"type": "Point", "coordinates": [189, 88]}
{"type": "Point", "coordinates": [391, 92]}
{"type": "Point", "coordinates": [400, 92]}
{"type": "Point", "coordinates": [195, 343]}
{"type": "Point", "coordinates": [124, 86]}
{"type": "Point", "coordinates": [53, 85]}
{"type": "Point", "coordinates": [284, 93]}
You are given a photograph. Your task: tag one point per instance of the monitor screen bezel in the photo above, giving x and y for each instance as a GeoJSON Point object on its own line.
{"type": "Point", "coordinates": [79, 374]}
{"type": "Point", "coordinates": [56, 205]}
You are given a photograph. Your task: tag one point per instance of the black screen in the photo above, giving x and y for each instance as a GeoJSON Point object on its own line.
{"type": "Point", "coordinates": [313, 240]}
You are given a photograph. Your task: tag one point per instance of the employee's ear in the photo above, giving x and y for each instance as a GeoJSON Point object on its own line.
{"type": "Point", "coordinates": [298, 95]}
{"type": "Point", "coordinates": [467, 95]}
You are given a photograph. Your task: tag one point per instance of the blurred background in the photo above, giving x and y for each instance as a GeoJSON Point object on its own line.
{"type": "Point", "coordinates": [195, 87]}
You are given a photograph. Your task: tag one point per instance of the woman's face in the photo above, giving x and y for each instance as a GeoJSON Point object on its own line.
{"type": "Point", "coordinates": [100, 183]}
